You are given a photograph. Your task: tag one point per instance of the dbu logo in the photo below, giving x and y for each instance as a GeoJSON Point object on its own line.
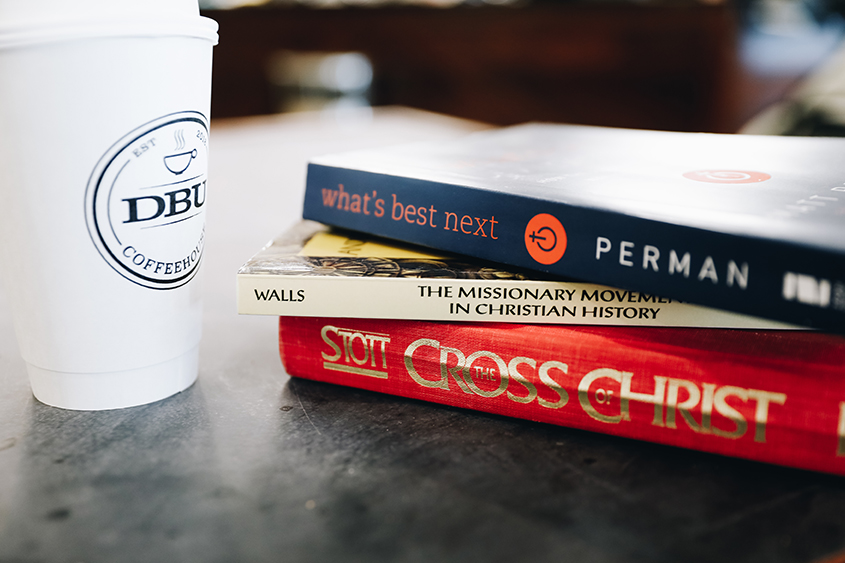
{"type": "Point", "coordinates": [170, 204]}
{"type": "Point", "coordinates": [145, 202]}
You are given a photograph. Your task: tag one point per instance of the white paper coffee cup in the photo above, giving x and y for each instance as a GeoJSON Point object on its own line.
{"type": "Point", "coordinates": [103, 163]}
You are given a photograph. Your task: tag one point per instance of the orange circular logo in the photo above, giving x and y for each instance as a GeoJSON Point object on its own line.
{"type": "Point", "coordinates": [545, 239]}
{"type": "Point", "coordinates": [727, 176]}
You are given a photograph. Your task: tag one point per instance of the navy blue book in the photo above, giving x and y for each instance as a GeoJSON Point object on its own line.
{"type": "Point", "coordinates": [752, 224]}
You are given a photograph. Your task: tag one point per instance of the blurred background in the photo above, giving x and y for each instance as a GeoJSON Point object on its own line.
{"type": "Point", "coordinates": [684, 65]}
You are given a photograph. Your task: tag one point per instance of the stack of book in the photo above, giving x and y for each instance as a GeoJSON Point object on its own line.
{"type": "Point", "coordinates": [718, 330]}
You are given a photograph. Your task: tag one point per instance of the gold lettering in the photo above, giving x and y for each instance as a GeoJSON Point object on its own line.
{"type": "Point", "coordinates": [723, 408]}
{"type": "Point", "coordinates": [457, 371]}
{"type": "Point", "coordinates": [350, 350]}
{"type": "Point", "coordinates": [692, 400]}
{"type": "Point", "coordinates": [584, 393]}
{"type": "Point", "coordinates": [513, 372]}
{"type": "Point", "coordinates": [503, 374]}
{"type": "Point", "coordinates": [337, 351]}
{"type": "Point", "coordinates": [707, 407]}
{"type": "Point", "coordinates": [761, 413]}
{"type": "Point", "coordinates": [384, 341]}
{"type": "Point", "coordinates": [563, 396]}
{"type": "Point", "coordinates": [442, 383]}
{"type": "Point", "coordinates": [626, 395]}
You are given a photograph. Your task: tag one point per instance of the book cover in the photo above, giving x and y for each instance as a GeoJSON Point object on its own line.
{"type": "Point", "coordinates": [751, 224]}
{"type": "Point", "coordinates": [313, 271]}
{"type": "Point", "coordinates": [771, 396]}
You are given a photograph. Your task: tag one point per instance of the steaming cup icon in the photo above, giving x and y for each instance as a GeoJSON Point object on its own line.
{"type": "Point", "coordinates": [179, 162]}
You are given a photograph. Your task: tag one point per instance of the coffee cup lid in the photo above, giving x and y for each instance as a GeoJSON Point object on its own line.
{"type": "Point", "coordinates": [24, 22]}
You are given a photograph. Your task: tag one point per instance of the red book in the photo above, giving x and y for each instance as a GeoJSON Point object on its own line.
{"type": "Point", "coordinates": [770, 396]}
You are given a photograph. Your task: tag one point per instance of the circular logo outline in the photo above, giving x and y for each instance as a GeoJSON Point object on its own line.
{"type": "Point", "coordinates": [537, 239]}
{"type": "Point", "coordinates": [92, 190]}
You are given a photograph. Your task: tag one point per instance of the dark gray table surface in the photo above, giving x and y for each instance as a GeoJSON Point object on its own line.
{"type": "Point", "coordinates": [250, 465]}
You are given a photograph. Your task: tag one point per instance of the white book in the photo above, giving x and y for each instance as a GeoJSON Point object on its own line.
{"type": "Point", "coordinates": [313, 271]}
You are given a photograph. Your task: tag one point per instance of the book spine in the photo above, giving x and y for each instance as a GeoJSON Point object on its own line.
{"type": "Point", "coordinates": [754, 276]}
{"type": "Point", "coordinates": [474, 300]}
{"type": "Point", "coordinates": [752, 395]}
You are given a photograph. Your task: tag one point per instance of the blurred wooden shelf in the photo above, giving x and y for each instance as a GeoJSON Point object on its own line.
{"type": "Point", "coordinates": [651, 66]}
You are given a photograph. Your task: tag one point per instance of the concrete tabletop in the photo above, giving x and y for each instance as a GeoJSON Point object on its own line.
{"type": "Point", "coordinates": [251, 465]}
